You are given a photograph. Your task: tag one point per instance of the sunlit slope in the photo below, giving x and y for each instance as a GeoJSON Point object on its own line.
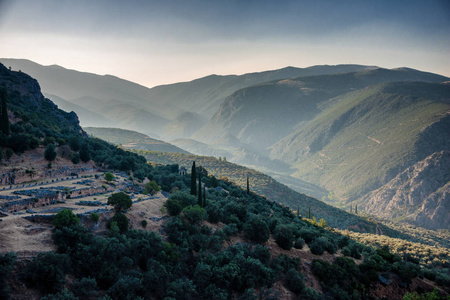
{"type": "Point", "coordinates": [365, 138]}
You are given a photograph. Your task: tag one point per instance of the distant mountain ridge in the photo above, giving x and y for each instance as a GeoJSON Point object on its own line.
{"type": "Point", "coordinates": [262, 114]}
{"type": "Point", "coordinates": [105, 94]}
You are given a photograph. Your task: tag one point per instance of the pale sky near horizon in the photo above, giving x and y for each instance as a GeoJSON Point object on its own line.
{"type": "Point", "coordinates": [160, 42]}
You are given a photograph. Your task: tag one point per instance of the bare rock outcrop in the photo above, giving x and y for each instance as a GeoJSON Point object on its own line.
{"type": "Point", "coordinates": [420, 194]}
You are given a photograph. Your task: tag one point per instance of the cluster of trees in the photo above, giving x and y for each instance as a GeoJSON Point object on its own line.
{"type": "Point", "coordinates": [269, 188]}
{"type": "Point", "coordinates": [194, 263]}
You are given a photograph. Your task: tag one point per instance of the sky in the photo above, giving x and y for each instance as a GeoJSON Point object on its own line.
{"type": "Point", "coordinates": [160, 42]}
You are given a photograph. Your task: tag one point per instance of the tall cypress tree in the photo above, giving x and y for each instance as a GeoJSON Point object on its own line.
{"type": "Point", "coordinates": [193, 180]}
{"type": "Point", "coordinates": [204, 197]}
{"type": "Point", "coordinates": [248, 187]}
{"type": "Point", "coordinates": [200, 188]}
{"type": "Point", "coordinates": [4, 122]}
{"type": "Point", "coordinates": [356, 209]}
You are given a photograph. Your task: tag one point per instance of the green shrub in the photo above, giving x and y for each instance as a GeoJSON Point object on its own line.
{"type": "Point", "coordinates": [65, 218]}
{"type": "Point", "coordinates": [61, 141]}
{"type": "Point", "coordinates": [308, 234]}
{"type": "Point", "coordinates": [174, 206]}
{"type": "Point", "coordinates": [256, 229]}
{"type": "Point", "coordinates": [50, 153]}
{"type": "Point", "coordinates": [120, 201]}
{"type": "Point", "coordinates": [284, 236]}
{"type": "Point", "coordinates": [144, 223]}
{"type": "Point", "coordinates": [346, 251]}
{"type": "Point", "coordinates": [230, 229]}
{"type": "Point", "coordinates": [177, 201]}
{"type": "Point", "coordinates": [74, 143]}
{"type": "Point", "coordinates": [294, 281]}
{"type": "Point", "coordinates": [318, 246]}
{"type": "Point", "coordinates": [299, 243]}
{"type": "Point", "coordinates": [151, 188]}
{"type": "Point", "coordinates": [48, 140]}
{"type": "Point", "coordinates": [122, 222]}
{"type": "Point", "coordinates": [194, 214]}
{"type": "Point", "coordinates": [85, 153]}
{"type": "Point", "coordinates": [75, 158]}
{"type": "Point", "coordinates": [109, 176]}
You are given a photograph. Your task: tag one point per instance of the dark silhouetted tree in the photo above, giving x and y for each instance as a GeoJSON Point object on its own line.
{"type": "Point", "coordinates": [200, 188]}
{"type": "Point", "coordinates": [204, 197]}
{"type": "Point", "coordinates": [256, 229]}
{"type": "Point", "coordinates": [50, 153]}
{"type": "Point", "coordinates": [85, 156]}
{"type": "Point", "coordinates": [74, 143]}
{"type": "Point", "coordinates": [75, 158]}
{"type": "Point", "coordinates": [65, 218]}
{"type": "Point", "coordinates": [193, 179]}
{"type": "Point", "coordinates": [248, 187]}
{"type": "Point", "coordinates": [120, 201]}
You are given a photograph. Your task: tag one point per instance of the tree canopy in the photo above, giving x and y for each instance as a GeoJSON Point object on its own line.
{"type": "Point", "coordinates": [120, 201]}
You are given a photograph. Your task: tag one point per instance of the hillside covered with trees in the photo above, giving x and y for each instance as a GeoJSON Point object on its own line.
{"type": "Point", "coordinates": [223, 243]}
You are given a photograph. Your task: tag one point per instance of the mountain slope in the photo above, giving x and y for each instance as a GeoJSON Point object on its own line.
{"type": "Point", "coordinates": [122, 102]}
{"type": "Point", "coordinates": [86, 116]}
{"type": "Point", "coordinates": [420, 194]}
{"type": "Point", "coordinates": [203, 96]}
{"type": "Point", "coordinates": [199, 148]}
{"type": "Point", "coordinates": [260, 115]}
{"type": "Point", "coordinates": [184, 125]}
{"type": "Point", "coordinates": [29, 110]}
{"type": "Point", "coordinates": [132, 139]}
{"type": "Point", "coordinates": [367, 137]}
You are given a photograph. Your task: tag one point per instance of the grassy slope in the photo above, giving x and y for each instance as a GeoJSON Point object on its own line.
{"type": "Point", "coordinates": [132, 139]}
{"type": "Point", "coordinates": [364, 137]}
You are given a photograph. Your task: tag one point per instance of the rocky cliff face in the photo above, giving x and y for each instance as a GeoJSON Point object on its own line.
{"type": "Point", "coordinates": [27, 101]}
{"type": "Point", "coordinates": [420, 194]}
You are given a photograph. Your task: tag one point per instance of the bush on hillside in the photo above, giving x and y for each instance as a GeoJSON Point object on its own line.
{"type": "Point", "coordinates": [65, 218]}
{"type": "Point", "coordinates": [256, 229]}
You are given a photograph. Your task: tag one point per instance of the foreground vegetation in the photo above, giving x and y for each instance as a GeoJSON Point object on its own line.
{"type": "Point", "coordinates": [193, 260]}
